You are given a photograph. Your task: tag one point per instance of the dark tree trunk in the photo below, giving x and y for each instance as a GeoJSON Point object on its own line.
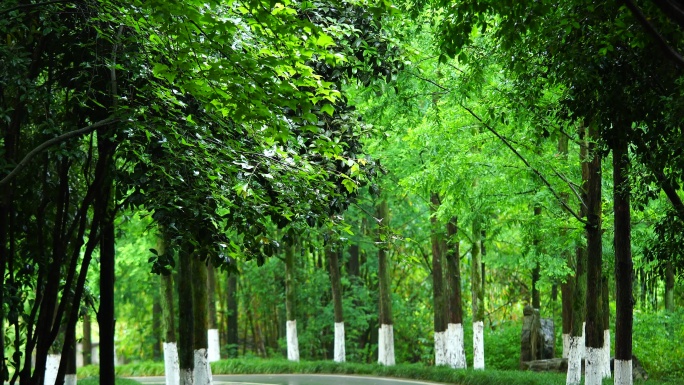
{"type": "Point", "coordinates": [594, 323]}
{"type": "Point", "coordinates": [453, 259]}
{"type": "Point", "coordinates": [536, 296]}
{"type": "Point", "coordinates": [290, 298]}
{"type": "Point", "coordinates": [106, 313]}
{"type": "Point", "coordinates": [334, 267]}
{"type": "Point", "coordinates": [200, 312]}
{"type": "Point", "coordinates": [669, 287]}
{"type": "Point", "coordinates": [353, 262]}
{"type": "Point", "coordinates": [87, 341]}
{"type": "Point", "coordinates": [386, 332]}
{"type": "Point", "coordinates": [232, 308]}
{"type": "Point", "coordinates": [211, 297]}
{"type": "Point", "coordinates": [339, 353]}
{"type": "Point", "coordinates": [568, 286]}
{"type": "Point", "coordinates": [186, 321]}
{"type": "Point", "coordinates": [438, 300]}
{"type": "Point", "coordinates": [623, 253]}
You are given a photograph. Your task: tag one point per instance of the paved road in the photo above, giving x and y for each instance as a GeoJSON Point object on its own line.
{"type": "Point", "coordinates": [295, 379]}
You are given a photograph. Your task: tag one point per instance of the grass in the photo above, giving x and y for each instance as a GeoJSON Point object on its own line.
{"type": "Point", "coordinates": [407, 371]}
{"type": "Point", "coordinates": [96, 381]}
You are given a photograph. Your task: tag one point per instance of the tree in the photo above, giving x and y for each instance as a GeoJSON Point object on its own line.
{"type": "Point", "coordinates": [386, 330]}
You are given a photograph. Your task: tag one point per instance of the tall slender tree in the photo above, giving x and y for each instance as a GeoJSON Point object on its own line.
{"type": "Point", "coordinates": [290, 297]}
{"type": "Point", "coordinates": [438, 296]}
{"type": "Point", "coordinates": [202, 369]}
{"type": "Point", "coordinates": [477, 291]}
{"type": "Point", "coordinates": [386, 330]}
{"type": "Point", "coordinates": [455, 347]}
{"type": "Point", "coordinates": [332, 254]}
{"type": "Point", "coordinates": [214, 345]}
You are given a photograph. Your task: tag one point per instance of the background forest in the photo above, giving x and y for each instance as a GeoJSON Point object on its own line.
{"type": "Point", "coordinates": [290, 145]}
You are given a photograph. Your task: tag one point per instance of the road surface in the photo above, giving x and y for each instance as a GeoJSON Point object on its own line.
{"type": "Point", "coordinates": [294, 379]}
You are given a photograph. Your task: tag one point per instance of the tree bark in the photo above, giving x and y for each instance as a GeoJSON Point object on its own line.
{"type": "Point", "coordinates": [536, 271]}
{"type": "Point", "coordinates": [87, 341]}
{"type": "Point", "coordinates": [623, 263]}
{"type": "Point", "coordinates": [669, 287]}
{"type": "Point", "coordinates": [594, 325]}
{"type": "Point", "coordinates": [568, 285]}
{"type": "Point", "coordinates": [386, 330]}
{"type": "Point", "coordinates": [171, 368]}
{"type": "Point", "coordinates": [202, 370]}
{"type": "Point", "coordinates": [477, 285]}
{"type": "Point", "coordinates": [106, 313]}
{"type": "Point", "coordinates": [213, 343]}
{"type": "Point", "coordinates": [455, 347]}
{"type": "Point", "coordinates": [186, 322]}
{"type": "Point", "coordinates": [290, 299]}
{"type": "Point", "coordinates": [576, 346]}
{"type": "Point", "coordinates": [335, 281]}
{"type": "Point", "coordinates": [438, 300]}
{"type": "Point", "coordinates": [232, 309]}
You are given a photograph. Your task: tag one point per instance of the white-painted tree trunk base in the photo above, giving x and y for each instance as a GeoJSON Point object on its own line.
{"type": "Point", "coordinates": [623, 372]}
{"type": "Point", "coordinates": [51, 368]}
{"type": "Point", "coordinates": [171, 369]}
{"type": "Point", "coordinates": [339, 354]}
{"type": "Point", "coordinates": [213, 345]}
{"type": "Point", "coordinates": [593, 370]}
{"type": "Point", "coordinates": [202, 372]}
{"type": "Point", "coordinates": [566, 345]}
{"type": "Point", "coordinates": [440, 349]}
{"type": "Point", "coordinates": [292, 341]}
{"type": "Point", "coordinates": [386, 345]}
{"type": "Point", "coordinates": [478, 345]}
{"type": "Point", "coordinates": [70, 379]}
{"type": "Point", "coordinates": [605, 354]}
{"type": "Point", "coordinates": [574, 375]}
{"type": "Point", "coordinates": [454, 346]}
{"type": "Point", "coordinates": [186, 377]}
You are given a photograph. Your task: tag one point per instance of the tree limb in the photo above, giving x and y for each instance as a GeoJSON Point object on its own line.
{"type": "Point", "coordinates": [650, 28]}
{"type": "Point", "coordinates": [56, 140]}
{"type": "Point", "coordinates": [534, 170]}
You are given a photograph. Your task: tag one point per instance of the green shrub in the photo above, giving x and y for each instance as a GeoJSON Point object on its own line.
{"type": "Point", "coordinates": [657, 343]}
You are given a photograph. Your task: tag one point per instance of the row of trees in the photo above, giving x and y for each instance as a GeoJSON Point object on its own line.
{"type": "Point", "coordinates": [236, 127]}
{"type": "Point", "coordinates": [214, 117]}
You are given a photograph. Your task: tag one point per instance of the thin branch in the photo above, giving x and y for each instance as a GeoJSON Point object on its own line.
{"type": "Point", "coordinates": [572, 187]}
{"type": "Point", "coordinates": [648, 26]}
{"type": "Point", "coordinates": [539, 174]}
{"type": "Point", "coordinates": [56, 140]}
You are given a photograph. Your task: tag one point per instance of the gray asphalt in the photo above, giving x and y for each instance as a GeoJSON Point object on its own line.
{"type": "Point", "coordinates": [294, 379]}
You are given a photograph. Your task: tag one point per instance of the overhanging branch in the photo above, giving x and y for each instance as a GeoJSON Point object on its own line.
{"type": "Point", "coordinates": [56, 140]}
{"type": "Point", "coordinates": [522, 158]}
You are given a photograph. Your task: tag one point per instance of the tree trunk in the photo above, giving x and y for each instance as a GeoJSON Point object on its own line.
{"type": "Point", "coordinates": [455, 347]}
{"type": "Point", "coordinates": [335, 281]}
{"type": "Point", "coordinates": [669, 287]}
{"type": "Point", "coordinates": [171, 369]}
{"type": "Point", "coordinates": [156, 328]}
{"type": "Point", "coordinates": [214, 345]}
{"type": "Point", "coordinates": [70, 377]}
{"type": "Point", "coordinates": [623, 264]}
{"type": "Point", "coordinates": [576, 347]}
{"type": "Point", "coordinates": [106, 313]}
{"type": "Point", "coordinates": [438, 300]}
{"type": "Point", "coordinates": [186, 322]}
{"type": "Point", "coordinates": [87, 342]}
{"type": "Point", "coordinates": [568, 286]}
{"type": "Point", "coordinates": [605, 311]}
{"type": "Point", "coordinates": [232, 310]}
{"type": "Point", "coordinates": [202, 370]}
{"type": "Point", "coordinates": [290, 298]}
{"type": "Point", "coordinates": [594, 326]}
{"type": "Point", "coordinates": [536, 271]}
{"type": "Point", "coordinates": [477, 289]}
{"type": "Point", "coordinates": [386, 330]}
